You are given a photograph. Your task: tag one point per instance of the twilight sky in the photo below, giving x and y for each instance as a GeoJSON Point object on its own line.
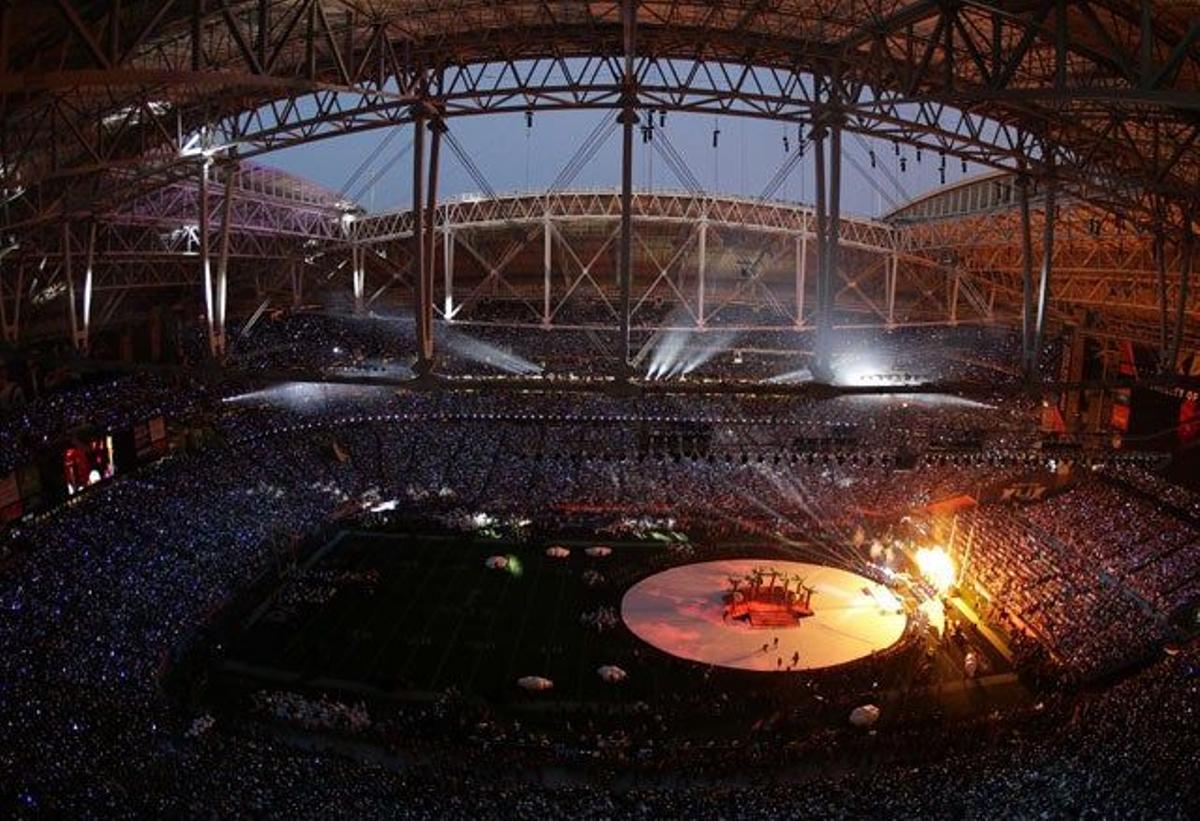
{"type": "Point", "coordinates": [513, 157]}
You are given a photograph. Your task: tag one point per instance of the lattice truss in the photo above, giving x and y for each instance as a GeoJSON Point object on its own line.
{"type": "Point", "coordinates": [1107, 275]}
{"type": "Point", "coordinates": [275, 226]}
{"type": "Point", "coordinates": [550, 260]}
{"type": "Point", "coordinates": [105, 103]}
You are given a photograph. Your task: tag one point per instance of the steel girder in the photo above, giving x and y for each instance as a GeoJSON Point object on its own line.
{"type": "Point", "coordinates": [1105, 269]}
{"type": "Point", "coordinates": [699, 262]}
{"type": "Point", "coordinates": [154, 244]}
{"type": "Point", "coordinates": [661, 205]}
{"type": "Point", "coordinates": [1107, 90]}
{"type": "Point", "coordinates": [272, 215]}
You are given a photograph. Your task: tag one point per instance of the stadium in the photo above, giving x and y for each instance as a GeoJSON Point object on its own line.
{"type": "Point", "coordinates": [646, 408]}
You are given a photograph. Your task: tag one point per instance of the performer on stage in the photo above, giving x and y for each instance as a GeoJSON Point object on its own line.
{"type": "Point", "coordinates": [759, 600]}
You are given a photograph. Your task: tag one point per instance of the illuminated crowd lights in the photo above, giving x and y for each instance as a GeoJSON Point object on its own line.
{"type": "Point", "coordinates": [936, 566]}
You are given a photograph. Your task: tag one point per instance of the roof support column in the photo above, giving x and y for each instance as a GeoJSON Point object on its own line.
{"type": "Point", "coordinates": [297, 274]}
{"type": "Point", "coordinates": [827, 124]}
{"type": "Point", "coordinates": [818, 140]}
{"type": "Point", "coordinates": [954, 286]}
{"type": "Point", "coordinates": [1043, 300]}
{"type": "Point", "coordinates": [893, 268]}
{"type": "Point", "coordinates": [221, 296]}
{"type": "Point", "coordinates": [1185, 273]}
{"type": "Point", "coordinates": [1027, 358]}
{"type": "Point", "coordinates": [80, 311]}
{"type": "Point", "coordinates": [701, 270]}
{"type": "Point", "coordinates": [437, 127]}
{"type": "Point", "coordinates": [628, 118]}
{"type": "Point", "coordinates": [84, 340]}
{"type": "Point", "coordinates": [358, 277]}
{"type": "Point", "coordinates": [448, 269]}
{"type": "Point", "coordinates": [1160, 268]}
{"type": "Point", "coordinates": [69, 274]}
{"type": "Point", "coordinates": [10, 326]}
{"type": "Point", "coordinates": [834, 241]}
{"type": "Point", "coordinates": [828, 242]}
{"type": "Point", "coordinates": [205, 261]}
{"type": "Point", "coordinates": [801, 275]}
{"type": "Point", "coordinates": [424, 331]}
{"type": "Point", "coordinates": [547, 264]}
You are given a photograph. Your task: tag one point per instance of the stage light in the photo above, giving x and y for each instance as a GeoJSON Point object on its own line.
{"type": "Point", "coordinates": [487, 354]}
{"type": "Point", "coordinates": [936, 566]}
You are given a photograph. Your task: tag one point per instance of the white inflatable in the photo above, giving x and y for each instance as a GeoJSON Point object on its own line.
{"type": "Point", "coordinates": [864, 715]}
{"type": "Point", "coordinates": [611, 674]}
{"type": "Point", "coordinates": [534, 683]}
{"type": "Point", "coordinates": [495, 562]}
{"type": "Point", "coordinates": [598, 551]}
{"type": "Point", "coordinates": [557, 552]}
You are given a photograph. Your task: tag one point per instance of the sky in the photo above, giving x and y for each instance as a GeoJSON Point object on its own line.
{"type": "Point", "coordinates": [515, 157]}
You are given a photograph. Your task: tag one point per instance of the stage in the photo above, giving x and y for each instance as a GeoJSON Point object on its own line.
{"type": "Point", "coordinates": [681, 611]}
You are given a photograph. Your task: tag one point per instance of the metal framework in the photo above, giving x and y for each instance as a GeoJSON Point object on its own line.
{"type": "Point", "coordinates": [1105, 88]}
{"type": "Point", "coordinates": [187, 236]}
{"type": "Point", "coordinates": [551, 260]}
{"type": "Point", "coordinates": [106, 104]}
{"type": "Point", "coordinates": [1106, 274]}
{"type": "Point", "coordinates": [695, 261]}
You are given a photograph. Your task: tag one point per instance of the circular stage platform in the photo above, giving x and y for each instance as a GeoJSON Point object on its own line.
{"type": "Point", "coordinates": [680, 611]}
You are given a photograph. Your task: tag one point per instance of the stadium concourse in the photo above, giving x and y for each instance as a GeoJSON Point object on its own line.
{"type": "Point", "coordinates": [639, 408]}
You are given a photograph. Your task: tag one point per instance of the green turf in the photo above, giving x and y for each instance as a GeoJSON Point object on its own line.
{"type": "Point", "coordinates": [437, 618]}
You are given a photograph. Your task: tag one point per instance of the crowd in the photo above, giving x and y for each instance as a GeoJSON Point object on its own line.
{"type": "Point", "coordinates": [503, 342]}
{"type": "Point", "coordinates": [1045, 591]}
{"type": "Point", "coordinates": [1184, 502]}
{"type": "Point", "coordinates": [100, 596]}
{"type": "Point", "coordinates": [106, 403]}
{"type": "Point", "coordinates": [1149, 550]}
{"type": "Point", "coordinates": [322, 714]}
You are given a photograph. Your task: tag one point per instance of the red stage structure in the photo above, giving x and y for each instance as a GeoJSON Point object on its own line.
{"type": "Point", "coordinates": [764, 598]}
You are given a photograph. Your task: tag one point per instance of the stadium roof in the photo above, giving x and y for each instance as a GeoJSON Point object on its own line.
{"type": "Point", "coordinates": [105, 103]}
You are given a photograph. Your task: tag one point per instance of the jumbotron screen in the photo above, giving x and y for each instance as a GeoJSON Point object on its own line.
{"type": "Point", "coordinates": [88, 462]}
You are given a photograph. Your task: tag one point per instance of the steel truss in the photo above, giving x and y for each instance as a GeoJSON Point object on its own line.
{"type": "Point", "coordinates": [114, 103]}
{"type": "Point", "coordinates": [1102, 94]}
{"type": "Point", "coordinates": [698, 262]}
{"type": "Point", "coordinates": [1105, 269]}
{"type": "Point", "coordinates": [272, 225]}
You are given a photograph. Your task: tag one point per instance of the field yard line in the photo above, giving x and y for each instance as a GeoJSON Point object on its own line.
{"type": "Point", "coordinates": [512, 659]}
{"type": "Point", "coordinates": [400, 622]}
